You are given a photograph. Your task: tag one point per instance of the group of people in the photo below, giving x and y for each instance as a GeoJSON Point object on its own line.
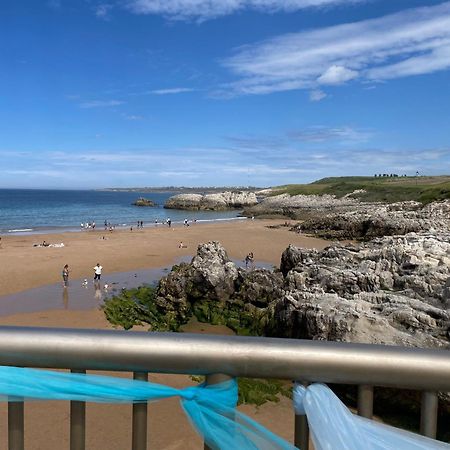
{"type": "Point", "coordinates": [87, 225]}
{"type": "Point", "coordinates": [66, 271]}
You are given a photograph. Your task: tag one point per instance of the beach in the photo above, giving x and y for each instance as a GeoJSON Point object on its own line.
{"type": "Point", "coordinates": [109, 426]}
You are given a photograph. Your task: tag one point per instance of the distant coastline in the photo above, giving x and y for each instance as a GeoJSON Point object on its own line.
{"type": "Point", "coordinates": [182, 189]}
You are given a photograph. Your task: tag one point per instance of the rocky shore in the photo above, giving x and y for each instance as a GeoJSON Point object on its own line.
{"type": "Point", "coordinates": [212, 202]}
{"type": "Point", "coordinates": [367, 221]}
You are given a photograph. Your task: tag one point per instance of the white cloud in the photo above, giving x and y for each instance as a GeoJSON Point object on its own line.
{"type": "Point", "coordinates": [100, 104]}
{"type": "Point", "coordinates": [411, 42]}
{"type": "Point", "coordinates": [316, 95]}
{"type": "Point", "coordinates": [178, 90]}
{"type": "Point", "coordinates": [208, 9]}
{"type": "Point", "coordinates": [337, 75]}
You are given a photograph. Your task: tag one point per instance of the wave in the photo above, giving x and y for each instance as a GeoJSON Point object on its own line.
{"type": "Point", "coordinates": [20, 230]}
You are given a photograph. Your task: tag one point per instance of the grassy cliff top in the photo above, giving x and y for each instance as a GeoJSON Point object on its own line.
{"type": "Point", "coordinates": [378, 189]}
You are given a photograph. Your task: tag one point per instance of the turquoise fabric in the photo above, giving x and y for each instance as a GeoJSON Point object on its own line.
{"type": "Point", "coordinates": [210, 408]}
{"type": "Point", "coordinates": [333, 426]}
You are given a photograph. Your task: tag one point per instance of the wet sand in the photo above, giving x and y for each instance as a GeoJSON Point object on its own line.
{"type": "Point", "coordinates": [109, 426]}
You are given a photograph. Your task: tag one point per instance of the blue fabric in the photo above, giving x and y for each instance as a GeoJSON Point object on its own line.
{"type": "Point", "coordinates": [333, 426]}
{"type": "Point", "coordinates": [211, 408]}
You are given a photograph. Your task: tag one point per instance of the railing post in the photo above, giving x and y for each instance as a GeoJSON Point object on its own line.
{"type": "Point", "coordinates": [15, 426]}
{"type": "Point", "coordinates": [301, 430]}
{"type": "Point", "coordinates": [365, 401]}
{"type": "Point", "coordinates": [428, 414]}
{"type": "Point", "coordinates": [77, 422]}
{"type": "Point", "coordinates": [215, 378]}
{"type": "Point", "coordinates": [139, 436]}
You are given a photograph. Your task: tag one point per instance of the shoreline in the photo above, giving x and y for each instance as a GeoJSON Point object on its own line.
{"type": "Point", "coordinates": [100, 228]}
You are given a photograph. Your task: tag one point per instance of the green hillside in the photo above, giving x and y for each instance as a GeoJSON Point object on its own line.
{"type": "Point", "coordinates": [378, 189]}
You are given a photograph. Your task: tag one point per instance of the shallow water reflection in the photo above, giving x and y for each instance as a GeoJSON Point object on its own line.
{"type": "Point", "coordinates": [84, 294]}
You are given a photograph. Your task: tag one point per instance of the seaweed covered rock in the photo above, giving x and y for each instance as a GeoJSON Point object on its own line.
{"type": "Point", "coordinates": [141, 201]}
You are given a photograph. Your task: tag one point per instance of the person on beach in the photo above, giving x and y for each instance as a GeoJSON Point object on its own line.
{"type": "Point", "coordinates": [97, 272]}
{"type": "Point", "coordinates": [65, 275]}
{"type": "Point", "coordinates": [249, 260]}
{"type": "Point", "coordinates": [169, 222]}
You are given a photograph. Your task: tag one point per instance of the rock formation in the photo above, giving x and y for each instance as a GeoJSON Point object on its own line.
{"type": "Point", "coordinates": [141, 201]}
{"type": "Point", "coordinates": [216, 202]}
{"type": "Point", "coordinates": [367, 221]}
{"type": "Point", "coordinates": [299, 206]}
{"type": "Point", "coordinates": [394, 290]}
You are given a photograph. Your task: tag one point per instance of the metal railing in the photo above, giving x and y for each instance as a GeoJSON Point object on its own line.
{"type": "Point", "coordinates": [220, 357]}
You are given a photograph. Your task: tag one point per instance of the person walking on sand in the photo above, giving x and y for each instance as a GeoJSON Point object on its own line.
{"type": "Point", "coordinates": [65, 275]}
{"type": "Point", "coordinates": [97, 272]}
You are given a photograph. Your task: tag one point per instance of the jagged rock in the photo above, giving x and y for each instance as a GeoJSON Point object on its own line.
{"type": "Point", "coordinates": [141, 201]}
{"type": "Point", "coordinates": [260, 287]}
{"type": "Point", "coordinates": [213, 275]}
{"type": "Point", "coordinates": [377, 220]}
{"type": "Point", "coordinates": [216, 202]}
{"type": "Point", "coordinates": [300, 206]}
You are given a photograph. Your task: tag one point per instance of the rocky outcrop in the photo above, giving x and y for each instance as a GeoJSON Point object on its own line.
{"type": "Point", "coordinates": [216, 202]}
{"type": "Point", "coordinates": [141, 201]}
{"type": "Point", "coordinates": [299, 206]}
{"type": "Point", "coordinates": [391, 291]}
{"type": "Point", "coordinates": [377, 220]}
{"type": "Point", "coordinates": [394, 290]}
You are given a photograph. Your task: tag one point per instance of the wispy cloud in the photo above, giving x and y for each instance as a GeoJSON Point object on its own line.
{"type": "Point", "coordinates": [100, 103]}
{"type": "Point", "coordinates": [103, 11]}
{"type": "Point", "coordinates": [411, 42]}
{"type": "Point", "coordinates": [316, 95]}
{"type": "Point", "coordinates": [202, 10]}
{"type": "Point", "coordinates": [135, 117]}
{"type": "Point", "coordinates": [170, 91]}
{"type": "Point", "coordinates": [326, 134]}
{"type": "Point", "coordinates": [342, 135]}
{"type": "Point", "coordinates": [213, 165]}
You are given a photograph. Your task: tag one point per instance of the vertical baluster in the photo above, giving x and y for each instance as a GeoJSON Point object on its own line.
{"type": "Point", "coordinates": [365, 401]}
{"type": "Point", "coordinates": [301, 430]}
{"type": "Point", "coordinates": [428, 414]}
{"type": "Point", "coordinates": [77, 422]}
{"type": "Point", "coordinates": [15, 426]}
{"type": "Point", "coordinates": [139, 438]}
{"type": "Point", "coordinates": [215, 379]}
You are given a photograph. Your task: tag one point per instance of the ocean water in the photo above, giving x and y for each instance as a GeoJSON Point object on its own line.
{"type": "Point", "coordinates": [24, 211]}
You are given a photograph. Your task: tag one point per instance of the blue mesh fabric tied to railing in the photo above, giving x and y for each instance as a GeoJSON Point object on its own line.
{"type": "Point", "coordinates": [333, 426]}
{"type": "Point", "coordinates": [210, 408]}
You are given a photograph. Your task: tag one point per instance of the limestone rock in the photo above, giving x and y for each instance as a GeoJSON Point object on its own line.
{"type": "Point", "coordinates": [216, 202]}
{"type": "Point", "coordinates": [376, 220]}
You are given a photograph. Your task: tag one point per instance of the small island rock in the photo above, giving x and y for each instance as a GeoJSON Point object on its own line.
{"type": "Point", "coordinates": [141, 201]}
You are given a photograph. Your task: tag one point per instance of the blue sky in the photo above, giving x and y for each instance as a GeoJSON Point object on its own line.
{"type": "Point", "coordinates": [227, 92]}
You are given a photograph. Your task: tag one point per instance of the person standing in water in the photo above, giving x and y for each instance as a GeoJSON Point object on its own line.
{"type": "Point", "coordinates": [65, 275]}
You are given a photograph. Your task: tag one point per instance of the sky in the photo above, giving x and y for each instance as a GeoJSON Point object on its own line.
{"type": "Point", "coordinates": [127, 93]}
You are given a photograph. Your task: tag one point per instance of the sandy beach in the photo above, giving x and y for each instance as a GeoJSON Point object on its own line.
{"type": "Point", "coordinates": [108, 426]}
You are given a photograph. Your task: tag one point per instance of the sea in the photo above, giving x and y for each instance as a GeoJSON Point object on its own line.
{"type": "Point", "coordinates": [33, 211]}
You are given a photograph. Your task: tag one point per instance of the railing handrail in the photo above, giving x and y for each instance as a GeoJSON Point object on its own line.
{"type": "Point", "coordinates": [318, 361]}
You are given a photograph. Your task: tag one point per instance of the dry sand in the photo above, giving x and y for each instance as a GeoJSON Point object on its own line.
{"type": "Point", "coordinates": [108, 426]}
